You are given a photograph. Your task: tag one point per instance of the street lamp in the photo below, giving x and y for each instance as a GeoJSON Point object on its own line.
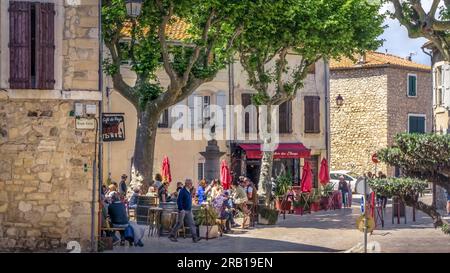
{"type": "Point", "coordinates": [134, 7]}
{"type": "Point", "coordinates": [339, 100]}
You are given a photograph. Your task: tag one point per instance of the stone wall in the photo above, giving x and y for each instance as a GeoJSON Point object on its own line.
{"type": "Point", "coordinates": [400, 105]}
{"type": "Point", "coordinates": [359, 127]}
{"type": "Point", "coordinates": [45, 193]}
{"type": "Point", "coordinates": [45, 189]}
{"type": "Point", "coordinates": [81, 46]}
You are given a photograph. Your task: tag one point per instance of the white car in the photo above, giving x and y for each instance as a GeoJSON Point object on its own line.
{"type": "Point", "coordinates": [351, 178]}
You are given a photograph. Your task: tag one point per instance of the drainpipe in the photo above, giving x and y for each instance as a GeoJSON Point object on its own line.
{"type": "Point", "coordinates": [433, 124]}
{"type": "Point", "coordinates": [97, 161]}
{"type": "Point", "coordinates": [327, 108]}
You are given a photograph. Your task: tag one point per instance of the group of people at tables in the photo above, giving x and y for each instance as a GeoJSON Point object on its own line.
{"type": "Point", "coordinates": [227, 204]}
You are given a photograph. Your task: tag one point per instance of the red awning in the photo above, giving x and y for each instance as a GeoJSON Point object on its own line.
{"type": "Point", "coordinates": [284, 150]}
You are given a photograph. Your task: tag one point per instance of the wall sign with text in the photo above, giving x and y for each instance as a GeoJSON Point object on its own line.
{"type": "Point", "coordinates": [113, 127]}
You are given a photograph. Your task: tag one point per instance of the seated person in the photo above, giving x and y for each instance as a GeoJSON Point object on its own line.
{"type": "Point", "coordinates": [119, 219]}
{"type": "Point", "coordinates": [226, 213]}
{"type": "Point", "coordinates": [240, 199]}
{"type": "Point", "coordinates": [132, 203]}
{"type": "Point", "coordinates": [163, 193]}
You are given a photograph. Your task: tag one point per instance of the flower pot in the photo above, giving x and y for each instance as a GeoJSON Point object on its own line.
{"type": "Point", "coordinates": [282, 205]}
{"type": "Point", "coordinates": [264, 221]}
{"type": "Point", "coordinates": [315, 206]}
{"type": "Point", "coordinates": [324, 202]}
{"type": "Point", "coordinates": [298, 210]}
{"type": "Point", "coordinates": [213, 231]}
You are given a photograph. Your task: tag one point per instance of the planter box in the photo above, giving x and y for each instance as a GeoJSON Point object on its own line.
{"type": "Point", "coordinates": [213, 231]}
{"type": "Point", "coordinates": [264, 221]}
{"type": "Point", "coordinates": [315, 206]}
{"type": "Point", "coordinates": [298, 211]}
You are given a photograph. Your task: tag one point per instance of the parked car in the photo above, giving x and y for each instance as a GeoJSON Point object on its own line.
{"type": "Point", "coordinates": [351, 178]}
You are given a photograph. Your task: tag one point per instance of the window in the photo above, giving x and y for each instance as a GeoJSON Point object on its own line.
{"type": "Point", "coordinates": [285, 117]}
{"type": "Point", "coordinates": [412, 85]}
{"type": "Point", "coordinates": [31, 45]}
{"type": "Point", "coordinates": [416, 123]}
{"type": "Point", "coordinates": [200, 171]}
{"type": "Point", "coordinates": [249, 124]}
{"type": "Point", "coordinates": [164, 119]}
{"type": "Point", "coordinates": [198, 107]}
{"type": "Point", "coordinates": [312, 114]}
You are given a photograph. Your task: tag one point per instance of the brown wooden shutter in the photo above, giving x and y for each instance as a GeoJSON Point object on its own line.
{"type": "Point", "coordinates": [164, 119]}
{"type": "Point", "coordinates": [45, 45]}
{"type": "Point", "coordinates": [246, 101]}
{"type": "Point", "coordinates": [312, 114]}
{"type": "Point", "coordinates": [285, 117]}
{"type": "Point", "coordinates": [20, 45]}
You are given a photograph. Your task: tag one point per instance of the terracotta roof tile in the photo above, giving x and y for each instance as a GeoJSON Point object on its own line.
{"type": "Point", "coordinates": [176, 30]}
{"type": "Point", "coordinates": [376, 59]}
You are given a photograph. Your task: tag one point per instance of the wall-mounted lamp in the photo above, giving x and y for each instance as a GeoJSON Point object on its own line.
{"type": "Point", "coordinates": [339, 100]}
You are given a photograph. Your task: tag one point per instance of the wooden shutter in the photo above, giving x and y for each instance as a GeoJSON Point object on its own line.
{"type": "Point", "coordinates": [246, 101]}
{"type": "Point", "coordinates": [164, 119]}
{"type": "Point", "coordinates": [45, 45]}
{"type": "Point", "coordinates": [285, 117]}
{"type": "Point", "coordinates": [20, 45]}
{"type": "Point", "coordinates": [412, 85]}
{"type": "Point", "coordinates": [312, 114]}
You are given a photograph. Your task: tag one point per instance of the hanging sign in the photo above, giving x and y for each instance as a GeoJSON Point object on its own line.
{"type": "Point", "coordinates": [113, 127]}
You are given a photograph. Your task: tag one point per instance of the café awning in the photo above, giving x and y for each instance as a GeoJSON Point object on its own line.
{"type": "Point", "coordinates": [283, 150]}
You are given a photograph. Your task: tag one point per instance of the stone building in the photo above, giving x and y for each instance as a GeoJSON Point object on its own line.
{"type": "Point", "coordinates": [303, 127]}
{"type": "Point", "coordinates": [441, 106]}
{"type": "Point", "coordinates": [49, 72]}
{"type": "Point", "coordinates": [383, 95]}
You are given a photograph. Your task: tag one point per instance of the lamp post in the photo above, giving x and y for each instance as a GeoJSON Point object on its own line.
{"type": "Point", "coordinates": [134, 7]}
{"type": "Point", "coordinates": [339, 100]}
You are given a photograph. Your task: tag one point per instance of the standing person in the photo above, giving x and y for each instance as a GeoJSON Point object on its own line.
{"type": "Point", "coordinates": [343, 187]}
{"type": "Point", "coordinates": [349, 199]}
{"type": "Point", "coordinates": [132, 202]}
{"type": "Point", "coordinates": [448, 203]}
{"type": "Point", "coordinates": [123, 186]}
{"type": "Point", "coordinates": [184, 203]}
{"type": "Point", "coordinates": [240, 199]}
{"type": "Point", "coordinates": [158, 181]}
{"type": "Point", "coordinates": [201, 192]}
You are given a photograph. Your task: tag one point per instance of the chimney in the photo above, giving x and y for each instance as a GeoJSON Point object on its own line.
{"type": "Point", "coordinates": [361, 59]}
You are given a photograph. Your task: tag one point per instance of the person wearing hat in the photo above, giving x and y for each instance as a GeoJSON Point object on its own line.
{"type": "Point", "coordinates": [123, 186]}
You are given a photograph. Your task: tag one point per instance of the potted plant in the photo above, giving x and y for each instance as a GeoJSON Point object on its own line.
{"type": "Point", "coordinates": [326, 192]}
{"type": "Point", "coordinates": [206, 218]}
{"type": "Point", "coordinates": [298, 204]}
{"type": "Point", "coordinates": [267, 215]}
{"type": "Point", "coordinates": [315, 200]}
{"type": "Point", "coordinates": [284, 182]}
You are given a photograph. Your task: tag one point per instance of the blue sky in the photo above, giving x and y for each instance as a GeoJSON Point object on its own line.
{"type": "Point", "coordinates": [397, 41]}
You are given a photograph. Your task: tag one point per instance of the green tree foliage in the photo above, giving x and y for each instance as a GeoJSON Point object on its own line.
{"type": "Point", "coordinates": [421, 157]}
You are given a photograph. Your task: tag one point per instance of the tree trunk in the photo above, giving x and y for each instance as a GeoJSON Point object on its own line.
{"type": "Point", "coordinates": [144, 149]}
{"type": "Point", "coordinates": [264, 183]}
{"type": "Point", "coordinates": [429, 210]}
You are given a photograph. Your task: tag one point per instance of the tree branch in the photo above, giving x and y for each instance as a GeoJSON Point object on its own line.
{"type": "Point", "coordinates": [433, 9]}
{"type": "Point", "coordinates": [163, 42]}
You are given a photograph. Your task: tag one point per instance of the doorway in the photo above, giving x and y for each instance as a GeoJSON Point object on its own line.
{"type": "Point", "coordinates": [252, 171]}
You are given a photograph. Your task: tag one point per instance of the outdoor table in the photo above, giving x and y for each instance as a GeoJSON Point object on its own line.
{"type": "Point", "coordinates": [154, 221]}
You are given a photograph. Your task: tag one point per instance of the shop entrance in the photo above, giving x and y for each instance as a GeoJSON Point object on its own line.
{"type": "Point", "coordinates": [252, 171]}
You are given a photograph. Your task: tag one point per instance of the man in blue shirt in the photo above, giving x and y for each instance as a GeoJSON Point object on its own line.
{"type": "Point", "coordinates": [184, 202]}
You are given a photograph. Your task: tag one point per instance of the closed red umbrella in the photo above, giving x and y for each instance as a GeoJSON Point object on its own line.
{"type": "Point", "coordinates": [324, 174]}
{"type": "Point", "coordinates": [225, 175]}
{"type": "Point", "coordinates": [165, 170]}
{"type": "Point", "coordinates": [306, 178]}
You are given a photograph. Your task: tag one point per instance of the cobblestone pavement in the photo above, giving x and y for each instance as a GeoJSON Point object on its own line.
{"type": "Point", "coordinates": [325, 231]}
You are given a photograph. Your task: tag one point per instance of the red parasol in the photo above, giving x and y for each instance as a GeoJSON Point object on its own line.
{"type": "Point", "coordinates": [225, 176]}
{"type": "Point", "coordinates": [324, 174]}
{"type": "Point", "coordinates": [306, 178]}
{"type": "Point", "coordinates": [165, 170]}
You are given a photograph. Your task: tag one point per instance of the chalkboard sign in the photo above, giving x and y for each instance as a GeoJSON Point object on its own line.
{"type": "Point", "coordinates": [113, 127]}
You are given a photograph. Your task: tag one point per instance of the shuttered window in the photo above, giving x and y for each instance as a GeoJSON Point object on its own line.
{"type": "Point", "coordinates": [412, 85]}
{"type": "Point", "coordinates": [164, 119]}
{"type": "Point", "coordinates": [32, 45]}
{"type": "Point", "coordinates": [285, 117]}
{"type": "Point", "coordinates": [312, 114]}
{"type": "Point", "coordinates": [416, 124]}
